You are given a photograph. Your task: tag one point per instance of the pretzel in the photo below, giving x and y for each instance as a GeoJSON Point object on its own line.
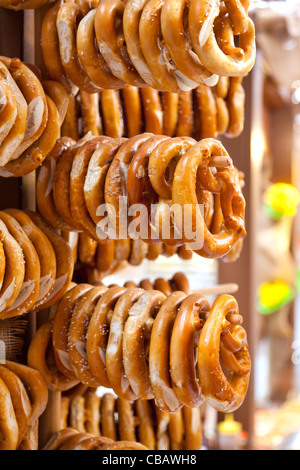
{"type": "Point", "coordinates": [90, 56]}
{"type": "Point", "coordinates": [126, 420]}
{"type": "Point", "coordinates": [93, 443]}
{"type": "Point", "coordinates": [30, 441]}
{"type": "Point", "coordinates": [60, 329]}
{"type": "Point", "coordinates": [74, 441]}
{"type": "Point", "coordinates": [97, 334]}
{"type": "Point", "coordinates": [8, 109]}
{"type": "Point", "coordinates": [207, 109]}
{"type": "Point", "coordinates": [146, 284]}
{"type": "Point", "coordinates": [193, 428]}
{"type": "Point", "coordinates": [90, 113]}
{"type": "Point", "coordinates": [111, 111]}
{"type": "Point", "coordinates": [58, 94]}
{"type": "Point", "coordinates": [154, 251]}
{"type": "Point", "coordinates": [185, 121]}
{"type": "Point", "coordinates": [59, 438]}
{"type": "Point", "coordinates": [135, 364]}
{"type": "Point", "coordinates": [8, 423]}
{"type": "Point", "coordinates": [180, 282]}
{"type": "Point", "coordinates": [96, 174]}
{"type": "Point", "coordinates": [38, 358]}
{"type": "Point", "coordinates": [190, 320]}
{"type": "Point", "coordinates": [77, 414]}
{"type": "Point", "coordinates": [152, 110]}
{"type": "Point", "coordinates": [111, 43]}
{"type": "Point", "coordinates": [30, 286]}
{"type": "Point", "coordinates": [79, 330]}
{"type": "Point", "coordinates": [78, 174]}
{"type": "Point", "coordinates": [44, 183]}
{"type": "Point", "coordinates": [124, 445]}
{"type": "Point", "coordinates": [45, 253]}
{"type": "Point", "coordinates": [170, 112]}
{"type": "Point", "coordinates": [19, 398]}
{"type": "Point", "coordinates": [35, 387]}
{"type": "Point", "coordinates": [115, 186]}
{"type": "Point", "coordinates": [16, 134]}
{"type": "Point", "coordinates": [108, 426]}
{"type": "Point", "coordinates": [122, 249]}
{"type": "Point", "coordinates": [114, 350]}
{"type": "Point", "coordinates": [70, 127]}
{"type": "Point", "coordinates": [35, 97]}
{"type": "Point", "coordinates": [133, 112]}
{"type": "Point", "coordinates": [236, 103]}
{"type": "Point", "coordinates": [87, 249]}
{"type": "Point", "coordinates": [13, 278]}
{"type": "Point", "coordinates": [159, 351]}
{"type": "Point", "coordinates": [105, 256]}
{"type": "Point", "coordinates": [176, 431]}
{"type": "Point", "coordinates": [179, 44]}
{"type": "Point", "coordinates": [214, 245]}
{"type": "Point", "coordinates": [169, 251]}
{"type": "Point", "coordinates": [18, 5]}
{"type": "Point", "coordinates": [162, 285]}
{"type": "Point", "coordinates": [162, 435]}
{"type": "Point", "coordinates": [146, 432]}
{"type": "Point", "coordinates": [92, 412]}
{"type": "Point", "coordinates": [201, 18]}
{"type": "Point", "coordinates": [222, 87]}
{"type": "Point", "coordinates": [223, 117]}
{"type": "Point", "coordinates": [225, 394]}
{"type": "Point", "coordinates": [68, 16]}
{"type": "Point", "coordinates": [185, 252]}
{"type": "Point", "coordinates": [64, 260]}
{"type": "Point", "coordinates": [138, 252]}
{"type": "Point", "coordinates": [34, 156]}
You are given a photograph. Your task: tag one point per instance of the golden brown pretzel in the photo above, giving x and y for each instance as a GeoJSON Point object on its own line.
{"type": "Point", "coordinates": [108, 425]}
{"type": "Point", "coordinates": [77, 414]}
{"type": "Point", "coordinates": [236, 103]}
{"type": "Point", "coordinates": [97, 334]}
{"type": "Point", "coordinates": [58, 94]}
{"type": "Point", "coordinates": [60, 329]}
{"type": "Point", "coordinates": [8, 423]}
{"type": "Point", "coordinates": [111, 43]}
{"type": "Point", "coordinates": [222, 115]}
{"type": "Point", "coordinates": [59, 438]}
{"type": "Point", "coordinates": [124, 445]}
{"type": "Point", "coordinates": [114, 351]}
{"type": "Point", "coordinates": [14, 270]}
{"type": "Point", "coordinates": [185, 124]}
{"type": "Point", "coordinates": [193, 428]}
{"type": "Point", "coordinates": [105, 256]}
{"type": "Point", "coordinates": [180, 282]}
{"type": "Point", "coordinates": [162, 285]}
{"type": "Point", "coordinates": [135, 332]}
{"type": "Point", "coordinates": [16, 134]}
{"type": "Point", "coordinates": [86, 249]}
{"type": "Point", "coordinates": [138, 252]}
{"type": "Point", "coordinates": [176, 431]}
{"type": "Point", "coordinates": [152, 110]}
{"type": "Point", "coordinates": [30, 287]}
{"type": "Point", "coordinates": [90, 113]}
{"type": "Point", "coordinates": [133, 113]}
{"type": "Point", "coordinates": [126, 420]}
{"type": "Point", "coordinates": [112, 114]}
{"type": "Point", "coordinates": [83, 312]}
{"type": "Point", "coordinates": [224, 393]}
{"type": "Point", "coordinates": [201, 19]}
{"type": "Point", "coordinates": [92, 412]}
{"type": "Point", "coordinates": [70, 125]}
{"type": "Point", "coordinates": [170, 112]}
{"type": "Point", "coordinates": [145, 430]}
{"type": "Point", "coordinates": [44, 191]}
{"type": "Point", "coordinates": [68, 16]}
{"type": "Point", "coordinates": [207, 109]}
{"type": "Point", "coordinates": [8, 108]}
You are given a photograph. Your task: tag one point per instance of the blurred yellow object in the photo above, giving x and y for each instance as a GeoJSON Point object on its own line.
{"type": "Point", "coordinates": [229, 425]}
{"type": "Point", "coordinates": [282, 198]}
{"type": "Point", "coordinates": [273, 295]}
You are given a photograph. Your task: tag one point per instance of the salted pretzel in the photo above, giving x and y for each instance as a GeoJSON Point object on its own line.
{"type": "Point", "coordinates": [207, 113]}
{"type": "Point", "coordinates": [201, 19]}
{"type": "Point", "coordinates": [8, 108]}
{"type": "Point", "coordinates": [224, 393]}
{"type": "Point", "coordinates": [108, 425]}
{"type": "Point", "coordinates": [34, 94]}
{"type": "Point", "coordinates": [133, 110]}
{"type": "Point", "coordinates": [28, 294]}
{"type": "Point", "coordinates": [77, 414]}
{"type": "Point", "coordinates": [58, 94]}
{"type": "Point", "coordinates": [105, 256]}
{"type": "Point", "coordinates": [214, 245]}
{"type": "Point", "coordinates": [70, 125]}
{"type": "Point", "coordinates": [92, 412]}
{"type": "Point", "coordinates": [112, 114]}
{"type": "Point", "coordinates": [126, 420]}
{"type": "Point", "coordinates": [146, 433]}
{"type": "Point", "coordinates": [44, 183]}
{"type": "Point", "coordinates": [223, 118]}
{"type": "Point", "coordinates": [34, 156]}
{"type": "Point", "coordinates": [8, 424]}
{"type": "Point", "coordinates": [170, 113]}
{"type": "Point", "coordinates": [152, 110]}
{"type": "Point", "coordinates": [235, 102]}
{"type": "Point", "coordinates": [122, 249]}
{"type": "Point", "coordinates": [111, 41]}
{"type": "Point", "coordinates": [192, 427]}
{"type": "Point", "coordinates": [90, 113]}
{"type": "Point", "coordinates": [16, 133]}
{"type": "Point", "coordinates": [86, 249]}
{"type": "Point", "coordinates": [68, 16]}
{"type": "Point", "coordinates": [59, 438]}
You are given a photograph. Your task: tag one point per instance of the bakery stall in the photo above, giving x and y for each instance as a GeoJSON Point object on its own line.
{"type": "Point", "coordinates": [114, 342]}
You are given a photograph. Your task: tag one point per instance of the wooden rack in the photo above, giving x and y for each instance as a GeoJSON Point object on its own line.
{"type": "Point", "coordinates": [20, 37]}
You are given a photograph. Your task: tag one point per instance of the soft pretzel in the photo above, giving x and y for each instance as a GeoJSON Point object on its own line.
{"type": "Point", "coordinates": [112, 113]}
{"type": "Point", "coordinates": [92, 412]}
{"type": "Point", "coordinates": [8, 423]}
{"type": "Point", "coordinates": [77, 414]}
{"type": "Point", "coordinates": [152, 110]}
{"type": "Point", "coordinates": [70, 125]}
{"type": "Point", "coordinates": [8, 108]}
{"type": "Point", "coordinates": [59, 438]}
{"type": "Point", "coordinates": [110, 40]}
{"type": "Point", "coordinates": [223, 117]}
{"type": "Point", "coordinates": [68, 16]}
{"type": "Point", "coordinates": [133, 113]}
{"type": "Point", "coordinates": [180, 282]}
{"type": "Point", "coordinates": [176, 431]}
{"type": "Point", "coordinates": [105, 256]}
{"type": "Point", "coordinates": [134, 357]}
{"type": "Point", "coordinates": [207, 109]}
{"type": "Point", "coordinates": [193, 428]}
{"type": "Point", "coordinates": [114, 351]}
{"type": "Point", "coordinates": [108, 425]}
{"type": "Point", "coordinates": [33, 157]}
{"type": "Point", "coordinates": [138, 252]}
{"type": "Point", "coordinates": [44, 192]}
{"type": "Point", "coordinates": [75, 441]}
{"type": "Point", "coordinates": [170, 112]}
{"type": "Point", "coordinates": [64, 259]}
{"type": "Point", "coordinates": [86, 249]}
{"type": "Point", "coordinates": [235, 103]}
{"type": "Point", "coordinates": [145, 430]}
{"type": "Point", "coordinates": [224, 393]}
{"type": "Point", "coordinates": [201, 19]}
{"type": "Point", "coordinates": [58, 94]}
{"type": "Point", "coordinates": [154, 251]}
{"type": "Point", "coordinates": [97, 333]}
{"type": "Point", "coordinates": [126, 420]}
{"type": "Point", "coordinates": [162, 285]}
{"type": "Point", "coordinates": [90, 113]}
{"type": "Point", "coordinates": [90, 56]}
{"type": "Point", "coordinates": [84, 311]}
{"type": "Point", "coordinates": [122, 249]}
{"type": "Point", "coordinates": [16, 134]}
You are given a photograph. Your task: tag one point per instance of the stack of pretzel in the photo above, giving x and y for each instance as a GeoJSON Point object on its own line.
{"type": "Point", "coordinates": [142, 344]}
{"type": "Point", "coordinates": [23, 399]}
{"type": "Point", "coordinates": [30, 117]}
{"type": "Point", "coordinates": [36, 264]}
{"type": "Point", "coordinates": [149, 171]}
{"type": "Point", "coordinates": [201, 113]}
{"type": "Point", "coordinates": [140, 421]}
{"type": "Point", "coordinates": [155, 43]}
